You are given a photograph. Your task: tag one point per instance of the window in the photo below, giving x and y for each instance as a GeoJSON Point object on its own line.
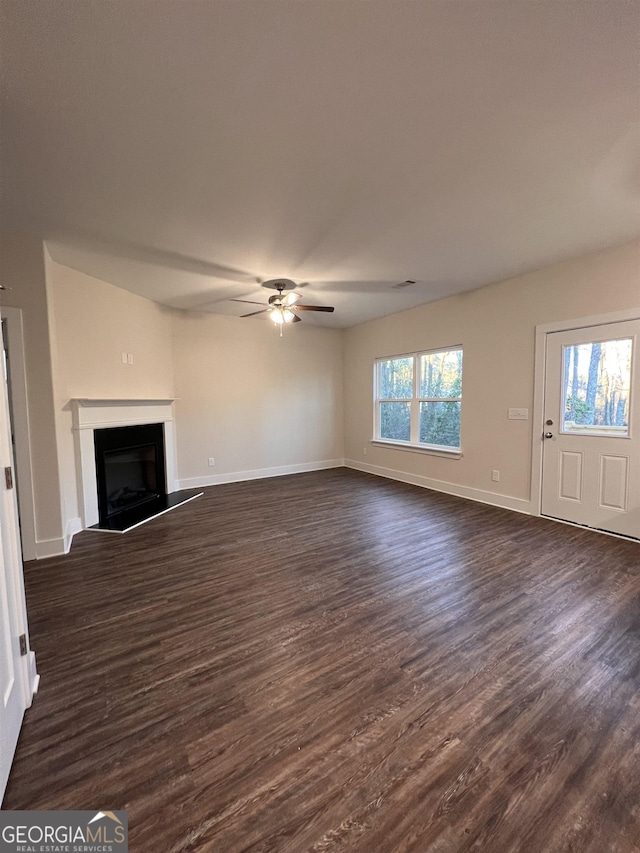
{"type": "Point", "coordinates": [597, 388]}
{"type": "Point", "coordinates": [418, 399]}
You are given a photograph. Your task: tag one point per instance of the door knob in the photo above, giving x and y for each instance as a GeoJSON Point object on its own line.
{"type": "Point", "coordinates": [548, 435]}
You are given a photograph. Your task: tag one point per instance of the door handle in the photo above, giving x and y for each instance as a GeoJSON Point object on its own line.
{"type": "Point", "coordinates": [548, 435]}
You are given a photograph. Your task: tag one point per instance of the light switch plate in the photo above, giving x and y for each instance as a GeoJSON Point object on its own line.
{"type": "Point", "coordinates": [518, 414]}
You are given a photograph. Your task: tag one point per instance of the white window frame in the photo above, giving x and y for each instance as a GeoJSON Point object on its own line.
{"type": "Point", "coordinates": [414, 402]}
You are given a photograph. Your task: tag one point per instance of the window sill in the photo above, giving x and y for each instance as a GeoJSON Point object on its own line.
{"type": "Point", "coordinates": [453, 453]}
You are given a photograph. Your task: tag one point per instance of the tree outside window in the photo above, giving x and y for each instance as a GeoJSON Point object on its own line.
{"type": "Point", "coordinates": [597, 378]}
{"type": "Point", "coordinates": [419, 399]}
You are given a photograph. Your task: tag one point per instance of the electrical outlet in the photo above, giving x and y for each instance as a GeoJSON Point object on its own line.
{"type": "Point", "coordinates": [212, 462]}
{"type": "Point", "coordinates": [495, 476]}
{"type": "Point", "coordinates": [364, 451]}
{"type": "Point", "coordinates": [129, 358]}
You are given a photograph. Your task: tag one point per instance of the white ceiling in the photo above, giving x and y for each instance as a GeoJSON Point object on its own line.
{"type": "Point", "coordinates": [187, 150]}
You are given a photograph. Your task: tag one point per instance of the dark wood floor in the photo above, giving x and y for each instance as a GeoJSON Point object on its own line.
{"type": "Point", "coordinates": [335, 662]}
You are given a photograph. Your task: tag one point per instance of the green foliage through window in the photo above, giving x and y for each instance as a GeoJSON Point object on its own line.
{"type": "Point", "coordinates": [430, 417]}
{"type": "Point", "coordinates": [396, 378]}
{"type": "Point", "coordinates": [597, 379]}
{"type": "Point", "coordinates": [441, 374]}
{"type": "Point", "coordinates": [440, 424]}
{"type": "Point", "coordinates": [395, 421]}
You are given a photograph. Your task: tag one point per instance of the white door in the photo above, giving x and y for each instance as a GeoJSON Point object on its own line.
{"type": "Point", "coordinates": [591, 455]}
{"type": "Point", "coordinates": [15, 687]}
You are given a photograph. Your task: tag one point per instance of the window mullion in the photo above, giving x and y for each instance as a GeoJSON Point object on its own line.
{"type": "Point", "coordinates": [415, 405]}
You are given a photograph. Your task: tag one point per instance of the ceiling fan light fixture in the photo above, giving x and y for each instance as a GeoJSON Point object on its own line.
{"type": "Point", "coordinates": [282, 309]}
{"type": "Point", "coordinates": [281, 315]}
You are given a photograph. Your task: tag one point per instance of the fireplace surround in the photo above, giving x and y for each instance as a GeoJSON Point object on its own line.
{"type": "Point", "coordinates": [93, 417]}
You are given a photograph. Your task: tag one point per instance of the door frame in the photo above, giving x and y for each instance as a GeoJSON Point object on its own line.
{"type": "Point", "coordinates": [540, 366]}
{"type": "Point", "coordinates": [25, 674]}
{"type": "Point", "coordinates": [20, 411]}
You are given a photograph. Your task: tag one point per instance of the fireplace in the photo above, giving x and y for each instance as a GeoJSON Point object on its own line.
{"type": "Point", "coordinates": [127, 475]}
{"type": "Point", "coordinates": [130, 473]}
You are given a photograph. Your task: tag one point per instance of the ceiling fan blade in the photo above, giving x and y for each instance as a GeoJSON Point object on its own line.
{"type": "Point", "coordinates": [314, 308]}
{"type": "Point", "coordinates": [297, 320]}
{"type": "Point", "coordinates": [253, 313]}
{"type": "Point", "coordinates": [291, 298]}
{"type": "Point", "coordinates": [247, 301]}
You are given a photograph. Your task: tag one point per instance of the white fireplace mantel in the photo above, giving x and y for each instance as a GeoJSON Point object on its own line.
{"type": "Point", "coordinates": [91, 414]}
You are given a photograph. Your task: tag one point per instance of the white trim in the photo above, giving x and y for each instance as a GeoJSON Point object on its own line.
{"type": "Point", "coordinates": [17, 692]}
{"type": "Point", "coordinates": [451, 453]}
{"type": "Point", "coordinates": [74, 525]}
{"type": "Point", "coordinates": [46, 548]}
{"type": "Point", "coordinates": [258, 474]}
{"type": "Point", "coordinates": [594, 320]}
{"type": "Point", "coordinates": [133, 421]}
{"type": "Point", "coordinates": [537, 416]}
{"type": "Point", "coordinates": [102, 402]}
{"type": "Point", "coordinates": [503, 501]}
{"type": "Point", "coordinates": [20, 411]}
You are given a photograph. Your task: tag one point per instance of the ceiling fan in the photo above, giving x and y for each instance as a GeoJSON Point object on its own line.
{"type": "Point", "coordinates": [282, 309]}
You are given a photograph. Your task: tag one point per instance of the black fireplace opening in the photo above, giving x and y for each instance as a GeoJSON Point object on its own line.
{"type": "Point", "coordinates": [130, 469]}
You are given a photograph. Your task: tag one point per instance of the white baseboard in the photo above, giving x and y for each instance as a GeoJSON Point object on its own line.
{"type": "Point", "coordinates": [503, 501]}
{"type": "Point", "coordinates": [62, 545]}
{"type": "Point", "coordinates": [258, 474]}
{"type": "Point", "coordinates": [74, 525]}
{"type": "Point", "coordinates": [50, 548]}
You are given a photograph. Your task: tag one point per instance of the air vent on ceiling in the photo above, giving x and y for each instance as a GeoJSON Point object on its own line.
{"type": "Point", "coordinates": [406, 283]}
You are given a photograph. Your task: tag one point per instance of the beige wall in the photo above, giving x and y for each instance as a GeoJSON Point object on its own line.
{"type": "Point", "coordinates": [253, 400]}
{"type": "Point", "coordinates": [496, 326]}
{"type": "Point", "coordinates": [22, 270]}
{"type": "Point", "coordinates": [92, 323]}
{"type": "Point", "coordinates": [248, 398]}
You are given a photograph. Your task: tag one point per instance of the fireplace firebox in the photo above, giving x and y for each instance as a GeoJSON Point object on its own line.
{"type": "Point", "coordinates": [130, 471]}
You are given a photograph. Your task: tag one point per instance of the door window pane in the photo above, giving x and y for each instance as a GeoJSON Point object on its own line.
{"type": "Point", "coordinates": [396, 378]}
{"type": "Point", "coordinates": [441, 374]}
{"type": "Point", "coordinates": [395, 421]}
{"type": "Point", "coordinates": [440, 424]}
{"type": "Point", "coordinates": [596, 388]}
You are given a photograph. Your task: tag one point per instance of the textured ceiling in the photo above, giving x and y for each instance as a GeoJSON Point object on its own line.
{"type": "Point", "coordinates": [186, 150]}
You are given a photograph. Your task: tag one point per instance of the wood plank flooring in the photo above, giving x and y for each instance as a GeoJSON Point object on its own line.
{"type": "Point", "coordinates": [336, 662]}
